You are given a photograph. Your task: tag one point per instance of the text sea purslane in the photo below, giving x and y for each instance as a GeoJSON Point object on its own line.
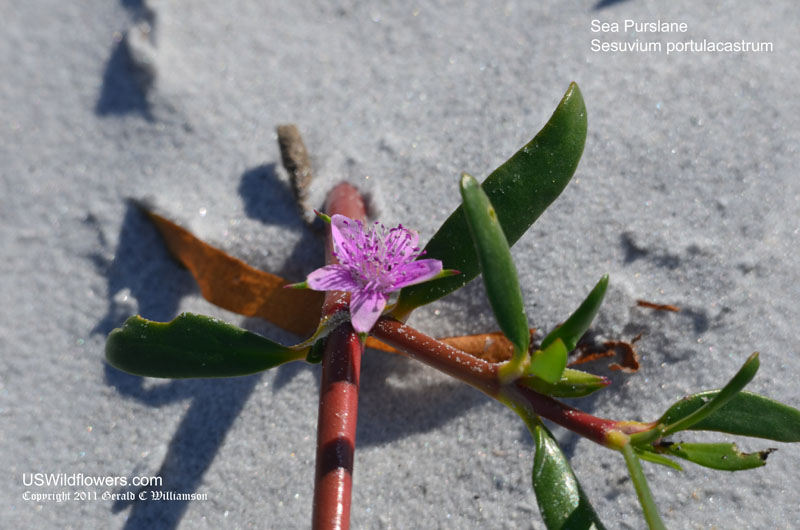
{"type": "Point", "coordinates": [635, 28]}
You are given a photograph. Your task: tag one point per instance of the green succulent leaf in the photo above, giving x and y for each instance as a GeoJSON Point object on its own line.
{"type": "Point", "coordinates": [722, 456]}
{"type": "Point", "coordinates": [549, 364]}
{"type": "Point", "coordinates": [572, 384]}
{"type": "Point", "coordinates": [192, 346]}
{"type": "Point", "coordinates": [745, 374]}
{"type": "Point", "coordinates": [561, 500]}
{"type": "Point", "coordinates": [648, 503]}
{"type": "Point", "coordinates": [576, 325]}
{"type": "Point", "coordinates": [497, 266]}
{"type": "Point", "coordinates": [746, 414]}
{"type": "Point", "coordinates": [520, 190]}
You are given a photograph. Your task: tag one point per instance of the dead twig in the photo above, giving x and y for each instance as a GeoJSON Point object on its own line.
{"type": "Point", "coordinates": [297, 163]}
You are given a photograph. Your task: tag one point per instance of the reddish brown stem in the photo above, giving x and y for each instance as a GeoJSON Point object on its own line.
{"type": "Point", "coordinates": [588, 426]}
{"type": "Point", "coordinates": [336, 429]}
{"type": "Point", "coordinates": [338, 398]}
{"type": "Point", "coordinates": [483, 375]}
{"type": "Point", "coordinates": [452, 361]}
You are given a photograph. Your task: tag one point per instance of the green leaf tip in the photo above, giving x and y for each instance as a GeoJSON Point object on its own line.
{"type": "Point", "coordinates": [745, 374]}
{"type": "Point", "coordinates": [324, 217]}
{"type": "Point", "coordinates": [446, 273]}
{"type": "Point", "coordinates": [520, 190]}
{"type": "Point", "coordinates": [576, 325]}
{"type": "Point", "coordinates": [192, 346]}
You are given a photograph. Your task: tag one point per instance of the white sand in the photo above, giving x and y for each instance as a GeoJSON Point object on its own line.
{"type": "Point", "coordinates": [687, 194]}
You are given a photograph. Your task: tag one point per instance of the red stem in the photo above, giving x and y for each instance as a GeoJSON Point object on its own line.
{"type": "Point", "coordinates": [338, 397]}
{"type": "Point", "coordinates": [452, 361]}
{"type": "Point", "coordinates": [483, 375]}
{"type": "Point", "coordinates": [583, 423]}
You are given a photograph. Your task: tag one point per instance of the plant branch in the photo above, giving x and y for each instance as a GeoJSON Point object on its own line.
{"type": "Point", "coordinates": [472, 370]}
{"type": "Point", "coordinates": [591, 427]}
{"type": "Point", "coordinates": [485, 376]}
{"type": "Point", "coordinates": [336, 429]}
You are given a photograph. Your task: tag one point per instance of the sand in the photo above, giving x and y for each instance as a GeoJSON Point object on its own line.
{"type": "Point", "coordinates": [687, 194]}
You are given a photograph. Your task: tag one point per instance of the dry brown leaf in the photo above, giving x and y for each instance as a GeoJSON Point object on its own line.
{"type": "Point", "coordinates": [586, 356]}
{"type": "Point", "coordinates": [493, 347]}
{"type": "Point", "coordinates": [236, 286]}
{"type": "Point", "coordinates": [629, 359]}
{"type": "Point", "coordinates": [658, 307]}
{"type": "Point", "coordinates": [375, 344]}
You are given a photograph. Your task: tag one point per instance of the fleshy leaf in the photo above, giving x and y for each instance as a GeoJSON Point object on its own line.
{"type": "Point", "coordinates": [233, 285]}
{"type": "Point", "coordinates": [576, 325]}
{"type": "Point", "coordinates": [746, 414]}
{"type": "Point", "coordinates": [572, 384]}
{"type": "Point", "coordinates": [728, 392]}
{"type": "Point", "coordinates": [192, 346]}
{"type": "Point", "coordinates": [497, 267]}
{"type": "Point", "coordinates": [561, 500]}
{"type": "Point", "coordinates": [722, 456]}
{"type": "Point", "coordinates": [643, 492]}
{"type": "Point", "coordinates": [520, 190]}
{"type": "Point", "coordinates": [549, 364]}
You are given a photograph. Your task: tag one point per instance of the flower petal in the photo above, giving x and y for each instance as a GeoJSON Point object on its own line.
{"type": "Point", "coordinates": [416, 272]}
{"type": "Point", "coordinates": [347, 233]}
{"type": "Point", "coordinates": [366, 307]}
{"type": "Point", "coordinates": [331, 278]}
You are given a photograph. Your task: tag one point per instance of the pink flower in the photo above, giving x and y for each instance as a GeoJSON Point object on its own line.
{"type": "Point", "coordinates": [373, 262]}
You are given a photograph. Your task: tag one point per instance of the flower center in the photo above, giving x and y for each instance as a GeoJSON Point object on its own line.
{"type": "Point", "coordinates": [376, 255]}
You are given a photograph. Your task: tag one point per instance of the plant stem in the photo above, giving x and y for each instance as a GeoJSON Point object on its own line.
{"type": "Point", "coordinates": [472, 370]}
{"type": "Point", "coordinates": [338, 398]}
{"type": "Point", "coordinates": [649, 508]}
{"type": "Point", "coordinates": [336, 429]}
{"type": "Point", "coordinates": [485, 376]}
{"type": "Point", "coordinates": [591, 427]}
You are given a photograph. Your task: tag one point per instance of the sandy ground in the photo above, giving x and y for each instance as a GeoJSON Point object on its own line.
{"type": "Point", "coordinates": [687, 194]}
